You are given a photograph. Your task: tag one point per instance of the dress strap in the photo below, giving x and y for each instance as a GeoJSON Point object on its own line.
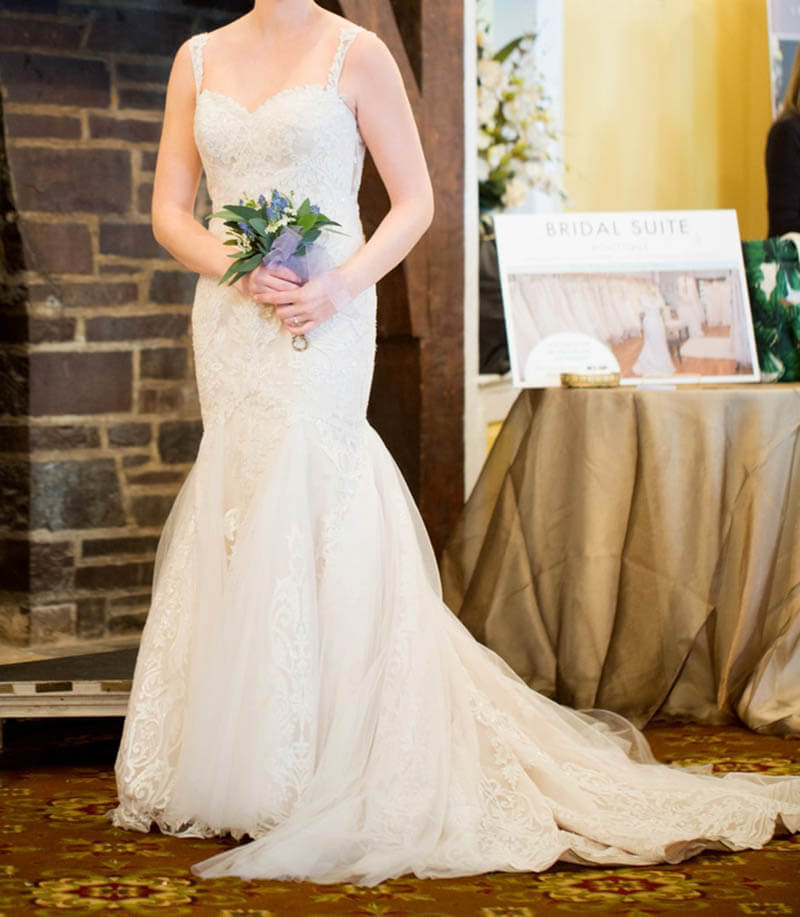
{"type": "Point", "coordinates": [197, 44]}
{"type": "Point", "coordinates": [346, 36]}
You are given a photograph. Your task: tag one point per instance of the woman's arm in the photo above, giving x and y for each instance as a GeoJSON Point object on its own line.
{"type": "Point", "coordinates": [177, 177]}
{"type": "Point", "coordinates": [387, 125]}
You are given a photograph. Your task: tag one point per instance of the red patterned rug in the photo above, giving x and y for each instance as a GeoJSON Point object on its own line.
{"type": "Point", "coordinates": [58, 853]}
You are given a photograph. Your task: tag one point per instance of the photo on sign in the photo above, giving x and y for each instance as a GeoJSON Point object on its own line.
{"type": "Point", "coordinates": [666, 324]}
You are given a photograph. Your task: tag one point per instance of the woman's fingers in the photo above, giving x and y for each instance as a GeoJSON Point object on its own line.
{"type": "Point", "coordinates": [299, 316]}
{"type": "Point", "coordinates": [302, 327]}
{"type": "Point", "coordinates": [301, 307]}
{"type": "Point", "coordinates": [271, 290]}
{"type": "Point", "coordinates": [270, 284]}
{"type": "Point", "coordinates": [283, 298]}
{"type": "Point", "coordinates": [266, 282]}
{"type": "Point", "coordinates": [284, 273]}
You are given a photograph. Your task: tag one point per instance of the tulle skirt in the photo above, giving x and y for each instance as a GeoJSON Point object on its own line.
{"type": "Point", "coordinates": [301, 684]}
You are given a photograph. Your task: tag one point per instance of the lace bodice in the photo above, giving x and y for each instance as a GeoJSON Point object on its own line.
{"type": "Point", "coordinates": [304, 139]}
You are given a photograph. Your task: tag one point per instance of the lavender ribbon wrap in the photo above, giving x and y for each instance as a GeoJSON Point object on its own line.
{"type": "Point", "coordinates": [316, 259]}
{"type": "Point", "coordinates": [315, 262]}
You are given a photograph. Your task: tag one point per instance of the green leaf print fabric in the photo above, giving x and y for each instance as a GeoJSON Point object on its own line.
{"type": "Point", "coordinates": [773, 280]}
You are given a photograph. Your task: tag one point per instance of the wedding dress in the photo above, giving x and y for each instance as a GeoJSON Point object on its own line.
{"type": "Point", "coordinates": [654, 358]}
{"type": "Point", "coordinates": [299, 680]}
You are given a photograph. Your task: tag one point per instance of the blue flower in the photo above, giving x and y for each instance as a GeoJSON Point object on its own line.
{"type": "Point", "coordinates": [246, 228]}
{"type": "Point", "coordinates": [261, 200]}
{"type": "Point", "coordinates": [279, 201]}
{"type": "Point", "coordinates": [272, 215]}
{"type": "Point", "coordinates": [314, 208]}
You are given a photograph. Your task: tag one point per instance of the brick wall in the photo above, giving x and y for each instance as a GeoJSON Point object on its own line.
{"type": "Point", "coordinates": [99, 420]}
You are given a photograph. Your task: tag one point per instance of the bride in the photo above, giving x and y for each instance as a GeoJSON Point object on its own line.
{"type": "Point", "coordinates": [299, 681]}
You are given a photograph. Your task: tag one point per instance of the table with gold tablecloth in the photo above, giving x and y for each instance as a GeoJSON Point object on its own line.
{"type": "Point", "coordinates": [639, 551]}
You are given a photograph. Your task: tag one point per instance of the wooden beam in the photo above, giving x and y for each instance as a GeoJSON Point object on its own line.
{"type": "Point", "coordinates": [442, 431]}
{"type": "Point", "coordinates": [378, 17]}
{"type": "Point", "coordinates": [433, 271]}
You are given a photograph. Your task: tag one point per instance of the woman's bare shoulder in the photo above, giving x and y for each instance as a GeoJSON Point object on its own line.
{"type": "Point", "coordinates": [223, 34]}
{"type": "Point", "coordinates": [231, 30]}
{"type": "Point", "coordinates": [338, 22]}
{"type": "Point", "coordinates": [230, 35]}
{"type": "Point", "coordinates": [370, 55]}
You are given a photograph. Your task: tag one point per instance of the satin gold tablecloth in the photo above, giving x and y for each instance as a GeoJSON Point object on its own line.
{"type": "Point", "coordinates": [639, 551]}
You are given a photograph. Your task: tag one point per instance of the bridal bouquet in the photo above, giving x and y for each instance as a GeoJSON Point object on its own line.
{"type": "Point", "coordinates": [273, 232]}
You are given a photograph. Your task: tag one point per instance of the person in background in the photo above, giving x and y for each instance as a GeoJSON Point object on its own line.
{"type": "Point", "coordinates": [783, 160]}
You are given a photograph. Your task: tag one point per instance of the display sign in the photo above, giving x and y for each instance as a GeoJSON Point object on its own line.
{"type": "Point", "coordinates": [662, 293]}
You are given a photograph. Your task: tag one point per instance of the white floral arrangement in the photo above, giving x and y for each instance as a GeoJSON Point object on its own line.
{"type": "Point", "coordinates": [515, 127]}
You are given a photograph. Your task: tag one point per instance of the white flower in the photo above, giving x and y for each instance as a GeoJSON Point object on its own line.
{"type": "Point", "coordinates": [495, 154]}
{"type": "Point", "coordinates": [513, 109]}
{"type": "Point", "coordinates": [538, 141]}
{"type": "Point", "coordinates": [491, 73]}
{"type": "Point", "coordinates": [516, 125]}
{"type": "Point", "coordinates": [515, 194]}
{"type": "Point", "coordinates": [535, 174]}
{"type": "Point", "coordinates": [487, 108]}
{"type": "Point", "coordinates": [280, 223]}
{"type": "Point", "coordinates": [528, 104]}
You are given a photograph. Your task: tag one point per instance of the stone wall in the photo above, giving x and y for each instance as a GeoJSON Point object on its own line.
{"type": "Point", "coordinates": [99, 420]}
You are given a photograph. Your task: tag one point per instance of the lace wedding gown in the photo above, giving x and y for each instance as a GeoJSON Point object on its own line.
{"type": "Point", "coordinates": [299, 680]}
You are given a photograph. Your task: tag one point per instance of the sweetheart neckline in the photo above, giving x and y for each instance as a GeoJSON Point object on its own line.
{"type": "Point", "coordinates": [276, 95]}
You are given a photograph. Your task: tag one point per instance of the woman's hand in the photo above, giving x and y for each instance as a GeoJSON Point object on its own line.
{"type": "Point", "coordinates": [264, 283]}
{"type": "Point", "coordinates": [299, 306]}
{"type": "Point", "coordinates": [306, 307]}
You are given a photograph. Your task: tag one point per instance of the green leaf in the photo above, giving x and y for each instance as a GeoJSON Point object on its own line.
{"type": "Point", "coordinates": [251, 263]}
{"type": "Point", "coordinates": [222, 215]}
{"type": "Point", "coordinates": [230, 276]}
{"type": "Point", "coordinates": [239, 212]}
{"type": "Point", "coordinates": [508, 49]}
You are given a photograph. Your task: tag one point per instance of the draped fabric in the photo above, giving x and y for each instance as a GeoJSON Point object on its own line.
{"type": "Point", "coordinates": [640, 551]}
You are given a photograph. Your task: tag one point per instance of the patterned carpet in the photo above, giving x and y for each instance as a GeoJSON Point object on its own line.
{"type": "Point", "coordinates": [58, 854]}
